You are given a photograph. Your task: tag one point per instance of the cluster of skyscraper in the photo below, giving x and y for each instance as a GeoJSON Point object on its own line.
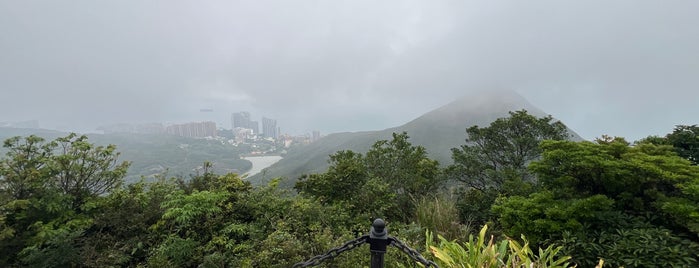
{"type": "Point", "coordinates": [241, 120]}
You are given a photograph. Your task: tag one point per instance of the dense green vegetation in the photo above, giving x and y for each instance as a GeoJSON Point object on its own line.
{"type": "Point", "coordinates": [65, 203]}
{"type": "Point", "coordinates": [156, 154]}
{"type": "Point", "coordinates": [177, 156]}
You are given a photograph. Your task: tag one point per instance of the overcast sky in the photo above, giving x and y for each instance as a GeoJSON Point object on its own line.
{"type": "Point", "coordinates": [624, 68]}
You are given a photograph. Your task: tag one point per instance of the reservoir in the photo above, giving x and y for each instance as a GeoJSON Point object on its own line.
{"type": "Point", "coordinates": [260, 162]}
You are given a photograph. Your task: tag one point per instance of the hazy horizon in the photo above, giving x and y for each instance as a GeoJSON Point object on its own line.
{"type": "Point", "coordinates": [624, 68]}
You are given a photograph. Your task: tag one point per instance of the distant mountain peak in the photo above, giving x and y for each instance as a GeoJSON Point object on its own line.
{"type": "Point", "coordinates": [438, 131]}
{"type": "Point", "coordinates": [485, 104]}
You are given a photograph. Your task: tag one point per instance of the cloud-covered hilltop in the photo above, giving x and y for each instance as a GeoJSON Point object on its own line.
{"type": "Point", "coordinates": [438, 131]}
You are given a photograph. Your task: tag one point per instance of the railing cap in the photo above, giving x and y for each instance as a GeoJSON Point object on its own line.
{"type": "Point", "coordinates": [378, 229]}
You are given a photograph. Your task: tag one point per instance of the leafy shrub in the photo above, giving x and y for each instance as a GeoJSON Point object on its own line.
{"type": "Point", "coordinates": [640, 247]}
{"type": "Point", "coordinates": [540, 216]}
{"type": "Point", "coordinates": [506, 253]}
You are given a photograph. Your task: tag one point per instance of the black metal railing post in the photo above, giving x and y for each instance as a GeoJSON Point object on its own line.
{"type": "Point", "coordinates": [378, 241]}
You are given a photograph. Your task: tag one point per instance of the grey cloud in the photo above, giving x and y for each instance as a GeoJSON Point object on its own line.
{"type": "Point", "coordinates": [624, 68]}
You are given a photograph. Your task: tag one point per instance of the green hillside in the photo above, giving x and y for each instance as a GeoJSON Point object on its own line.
{"type": "Point", "coordinates": [152, 154]}
{"type": "Point", "coordinates": [438, 131]}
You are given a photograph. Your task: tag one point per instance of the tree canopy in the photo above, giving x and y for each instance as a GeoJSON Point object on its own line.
{"type": "Point", "coordinates": [608, 188]}
{"type": "Point", "coordinates": [386, 181]}
{"type": "Point", "coordinates": [64, 203]}
{"type": "Point", "coordinates": [500, 152]}
{"type": "Point", "coordinates": [49, 187]}
{"type": "Point", "coordinates": [684, 139]}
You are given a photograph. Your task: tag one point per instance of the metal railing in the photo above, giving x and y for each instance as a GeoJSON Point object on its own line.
{"type": "Point", "coordinates": [378, 240]}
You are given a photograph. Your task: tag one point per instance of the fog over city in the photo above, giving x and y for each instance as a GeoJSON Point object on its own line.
{"type": "Point", "coordinates": [624, 68]}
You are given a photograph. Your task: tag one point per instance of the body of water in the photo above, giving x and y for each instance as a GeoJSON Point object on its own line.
{"type": "Point", "coordinates": [260, 162]}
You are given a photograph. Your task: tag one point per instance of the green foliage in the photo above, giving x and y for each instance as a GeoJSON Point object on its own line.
{"type": "Point", "coordinates": [49, 191]}
{"type": "Point", "coordinates": [474, 205]}
{"type": "Point", "coordinates": [24, 171]}
{"type": "Point", "coordinates": [635, 247]}
{"type": "Point", "coordinates": [506, 253]}
{"type": "Point", "coordinates": [341, 183]}
{"type": "Point", "coordinates": [406, 169]}
{"type": "Point", "coordinates": [121, 234]}
{"type": "Point", "coordinates": [384, 183]}
{"type": "Point", "coordinates": [592, 192]}
{"type": "Point", "coordinates": [286, 229]}
{"type": "Point", "coordinates": [682, 208]}
{"type": "Point", "coordinates": [201, 222]}
{"type": "Point", "coordinates": [684, 139]}
{"type": "Point", "coordinates": [494, 162]}
{"type": "Point", "coordinates": [24, 184]}
{"type": "Point", "coordinates": [643, 178]}
{"type": "Point", "coordinates": [404, 166]}
{"type": "Point", "coordinates": [153, 154]}
{"type": "Point", "coordinates": [83, 170]}
{"type": "Point", "coordinates": [55, 244]}
{"type": "Point", "coordinates": [499, 153]}
{"type": "Point", "coordinates": [185, 211]}
{"type": "Point", "coordinates": [62, 204]}
{"type": "Point", "coordinates": [176, 251]}
{"type": "Point", "coordinates": [540, 216]}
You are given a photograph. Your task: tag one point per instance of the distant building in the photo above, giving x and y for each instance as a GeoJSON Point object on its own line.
{"type": "Point", "coordinates": [194, 130]}
{"type": "Point", "coordinates": [242, 120]}
{"type": "Point", "coordinates": [287, 140]}
{"type": "Point", "coordinates": [316, 136]}
{"type": "Point", "coordinates": [269, 128]}
{"type": "Point", "coordinates": [242, 134]}
{"type": "Point", "coordinates": [255, 126]}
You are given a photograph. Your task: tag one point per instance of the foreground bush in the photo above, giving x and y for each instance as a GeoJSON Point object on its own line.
{"type": "Point", "coordinates": [506, 253]}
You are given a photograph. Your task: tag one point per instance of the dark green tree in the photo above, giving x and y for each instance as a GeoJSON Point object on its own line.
{"type": "Point", "coordinates": [83, 170]}
{"type": "Point", "coordinates": [407, 170]}
{"type": "Point", "coordinates": [596, 195]}
{"type": "Point", "coordinates": [500, 153]}
{"type": "Point", "coordinates": [636, 177]}
{"type": "Point", "coordinates": [385, 183]}
{"type": "Point", "coordinates": [121, 233]}
{"type": "Point", "coordinates": [494, 161]}
{"type": "Point", "coordinates": [342, 182]}
{"type": "Point", "coordinates": [202, 222]}
{"type": "Point", "coordinates": [48, 192]}
{"type": "Point", "coordinates": [685, 140]}
{"type": "Point", "coordinates": [25, 190]}
{"type": "Point", "coordinates": [23, 172]}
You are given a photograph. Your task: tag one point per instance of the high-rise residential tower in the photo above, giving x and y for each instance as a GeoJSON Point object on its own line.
{"type": "Point", "coordinates": [242, 120]}
{"type": "Point", "coordinates": [269, 128]}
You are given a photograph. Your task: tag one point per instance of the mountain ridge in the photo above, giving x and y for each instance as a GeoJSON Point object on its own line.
{"type": "Point", "coordinates": [438, 131]}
